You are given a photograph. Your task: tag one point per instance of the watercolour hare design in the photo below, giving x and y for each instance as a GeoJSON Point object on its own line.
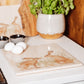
{"type": "Point", "coordinates": [47, 61]}
{"type": "Point", "coordinates": [10, 29]}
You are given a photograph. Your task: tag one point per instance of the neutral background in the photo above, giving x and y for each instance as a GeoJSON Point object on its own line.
{"type": "Point", "coordinates": [74, 21]}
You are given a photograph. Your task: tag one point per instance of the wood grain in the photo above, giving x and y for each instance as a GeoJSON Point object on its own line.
{"type": "Point", "coordinates": [83, 32]}
{"type": "Point", "coordinates": [29, 25]}
{"type": "Point", "coordinates": [75, 23]}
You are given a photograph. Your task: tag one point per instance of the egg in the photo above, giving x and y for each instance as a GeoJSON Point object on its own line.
{"type": "Point", "coordinates": [22, 44]}
{"type": "Point", "coordinates": [17, 50]}
{"type": "Point", "coordinates": [9, 46]}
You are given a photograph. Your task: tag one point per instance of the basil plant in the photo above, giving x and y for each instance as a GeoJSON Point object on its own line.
{"type": "Point", "coordinates": [51, 6]}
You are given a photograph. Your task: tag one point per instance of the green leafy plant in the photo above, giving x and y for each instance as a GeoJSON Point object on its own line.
{"type": "Point", "coordinates": [51, 6]}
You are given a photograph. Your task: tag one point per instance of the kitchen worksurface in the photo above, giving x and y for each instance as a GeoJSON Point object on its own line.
{"type": "Point", "coordinates": [58, 76]}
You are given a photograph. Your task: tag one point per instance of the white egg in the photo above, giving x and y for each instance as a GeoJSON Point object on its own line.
{"type": "Point", "coordinates": [9, 46]}
{"type": "Point", "coordinates": [22, 44]}
{"type": "Point", "coordinates": [17, 50]}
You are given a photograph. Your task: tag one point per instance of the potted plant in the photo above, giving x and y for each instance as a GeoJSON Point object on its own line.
{"type": "Point", "coordinates": [50, 13]}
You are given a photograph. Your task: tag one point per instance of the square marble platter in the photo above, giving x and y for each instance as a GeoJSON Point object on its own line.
{"type": "Point", "coordinates": [40, 56]}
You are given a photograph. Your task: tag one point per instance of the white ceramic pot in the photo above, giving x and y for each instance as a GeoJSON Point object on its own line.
{"type": "Point", "coordinates": [51, 26]}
